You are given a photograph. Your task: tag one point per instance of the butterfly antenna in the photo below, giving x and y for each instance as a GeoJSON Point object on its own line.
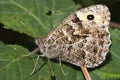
{"type": "Point", "coordinates": [33, 52]}
{"type": "Point", "coordinates": [85, 73]}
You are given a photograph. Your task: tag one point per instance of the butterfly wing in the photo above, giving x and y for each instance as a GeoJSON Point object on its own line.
{"type": "Point", "coordinates": [81, 39]}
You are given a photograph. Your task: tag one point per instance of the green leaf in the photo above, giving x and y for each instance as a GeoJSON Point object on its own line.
{"type": "Point", "coordinates": [36, 18]}
{"type": "Point", "coordinates": [15, 66]}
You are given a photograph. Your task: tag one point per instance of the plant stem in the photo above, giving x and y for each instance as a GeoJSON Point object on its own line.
{"type": "Point", "coordinates": [114, 25]}
{"type": "Point", "coordinates": [85, 73]}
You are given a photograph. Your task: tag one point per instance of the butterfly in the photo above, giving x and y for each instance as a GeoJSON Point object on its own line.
{"type": "Point", "coordinates": [81, 39]}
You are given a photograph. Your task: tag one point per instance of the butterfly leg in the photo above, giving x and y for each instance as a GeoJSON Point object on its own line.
{"type": "Point", "coordinates": [61, 66]}
{"type": "Point", "coordinates": [85, 73]}
{"type": "Point", "coordinates": [36, 62]}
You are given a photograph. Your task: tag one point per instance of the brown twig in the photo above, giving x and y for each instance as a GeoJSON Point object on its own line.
{"type": "Point", "coordinates": [85, 73]}
{"type": "Point", "coordinates": [114, 25]}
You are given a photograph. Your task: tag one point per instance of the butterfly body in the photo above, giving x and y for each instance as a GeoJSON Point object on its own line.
{"type": "Point", "coordinates": [82, 39]}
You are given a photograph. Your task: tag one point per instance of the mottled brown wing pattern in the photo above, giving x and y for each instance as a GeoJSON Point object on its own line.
{"type": "Point", "coordinates": [81, 39]}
